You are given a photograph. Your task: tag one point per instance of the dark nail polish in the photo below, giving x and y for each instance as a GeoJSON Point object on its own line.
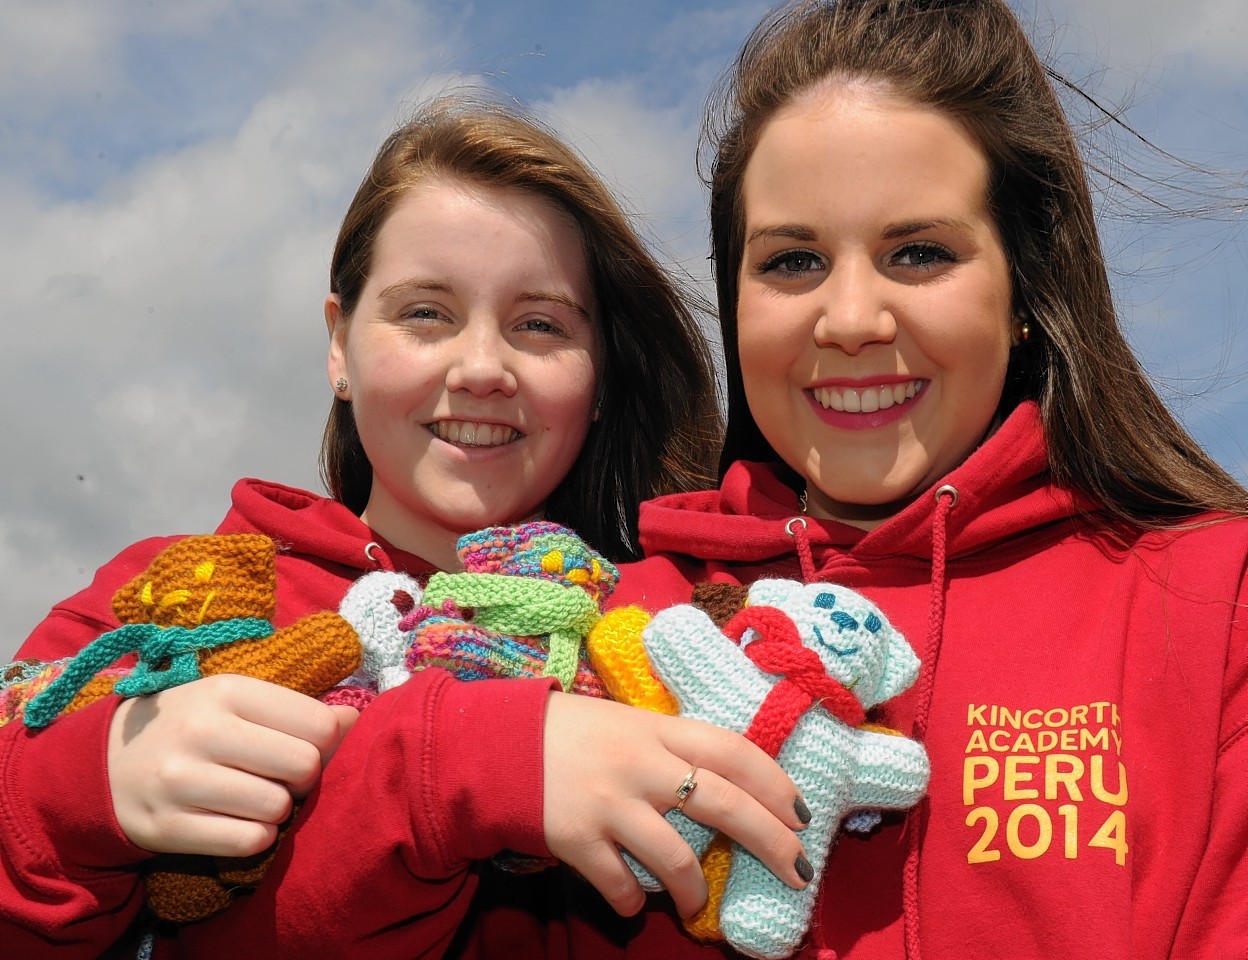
{"type": "Point", "coordinates": [802, 811]}
{"type": "Point", "coordinates": [803, 868]}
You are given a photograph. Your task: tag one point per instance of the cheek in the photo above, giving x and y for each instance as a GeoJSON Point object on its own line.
{"type": "Point", "coordinates": [566, 397]}
{"type": "Point", "coordinates": [759, 336]}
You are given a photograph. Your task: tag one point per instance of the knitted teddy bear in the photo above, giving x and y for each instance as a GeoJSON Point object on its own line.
{"type": "Point", "coordinates": [527, 597]}
{"type": "Point", "coordinates": [795, 672]}
{"type": "Point", "coordinates": [203, 606]}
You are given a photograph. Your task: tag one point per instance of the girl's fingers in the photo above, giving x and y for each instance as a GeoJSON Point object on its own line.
{"type": "Point", "coordinates": [744, 764]}
{"type": "Point", "coordinates": [213, 790]}
{"type": "Point", "coordinates": [611, 774]}
{"type": "Point", "coordinates": [212, 766]}
{"type": "Point", "coordinates": [214, 835]}
{"type": "Point", "coordinates": [724, 806]}
{"type": "Point", "coordinates": [653, 842]}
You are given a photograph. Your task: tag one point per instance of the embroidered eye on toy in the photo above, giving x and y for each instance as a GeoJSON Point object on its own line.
{"type": "Point", "coordinates": [795, 672]}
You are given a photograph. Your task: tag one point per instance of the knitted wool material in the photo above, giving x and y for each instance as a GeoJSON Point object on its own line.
{"type": "Point", "coordinates": [837, 768]}
{"type": "Point", "coordinates": [24, 680]}
{"type": "Point", "coordinates": [534, 591]}
{"type": "Point", "coordinates": [202, 607]}
{"type": "Point", "coordinates": [167, 658]}
{"type": "Point", "coordinates": [375, 605]}
{"type": "Point", "coordinates": [471, 652]}
{"type": "Point", "coordinates": [618, 655]}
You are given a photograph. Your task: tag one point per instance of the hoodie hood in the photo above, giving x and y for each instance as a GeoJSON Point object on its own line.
{"type": "Point", "coordinates": [1003, 490]}
{"type": "Point", "coordinates": [315, 527]}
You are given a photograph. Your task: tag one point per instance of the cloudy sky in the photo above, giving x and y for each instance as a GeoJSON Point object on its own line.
{"type": "Point", "coordinates": [172, 173]}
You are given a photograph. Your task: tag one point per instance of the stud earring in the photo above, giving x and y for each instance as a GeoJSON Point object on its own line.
{"type": "Point", "coordinates": [1021, 332]}
{"type": "Point", "coordinates": [341, 385]}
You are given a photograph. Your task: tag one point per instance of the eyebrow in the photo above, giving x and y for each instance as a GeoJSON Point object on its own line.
{"type": "Point", "coordinates": [793, 231]}
{"type": "Point", "coordinates": [788, 231]}
{"type": "Point", "coordinates": [548, 296]}
{"type": "Point", "coordinates": [412, 285]}
{"type": "Point", "coordinates": [910, 227]}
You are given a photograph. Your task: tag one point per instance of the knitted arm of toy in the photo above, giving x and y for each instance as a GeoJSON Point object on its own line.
{"type": "Point", "coordinates": [892, 772]}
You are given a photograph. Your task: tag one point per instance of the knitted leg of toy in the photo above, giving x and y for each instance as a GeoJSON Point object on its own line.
{"type": "Point", "coordinates": [762, 916]}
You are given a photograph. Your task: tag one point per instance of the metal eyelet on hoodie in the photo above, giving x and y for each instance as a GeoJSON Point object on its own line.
{"type": "Point", "coordinates": [379, 558]}
{"type": "Point", "coordinates": [951, 491]}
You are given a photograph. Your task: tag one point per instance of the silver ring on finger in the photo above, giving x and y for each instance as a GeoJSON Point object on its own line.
{"type": "Point", "coordinates": [686, 788]}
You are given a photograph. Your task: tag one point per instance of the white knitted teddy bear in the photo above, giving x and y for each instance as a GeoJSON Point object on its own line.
{"type": "Point", "coordinates": [374, 605]}
{"type": "Point", "coordinates": [838, 767]}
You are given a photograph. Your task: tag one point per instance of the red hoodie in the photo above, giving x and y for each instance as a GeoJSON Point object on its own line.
{"type": "Point", "coordinates": [1083, 702]}
{"type": "Point", "coordinates": [70, 886]}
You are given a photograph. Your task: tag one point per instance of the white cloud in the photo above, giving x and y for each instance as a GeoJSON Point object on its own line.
{"type": "Point", "coordinates": [1134, 36]}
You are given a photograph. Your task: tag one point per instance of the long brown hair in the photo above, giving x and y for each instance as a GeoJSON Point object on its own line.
{"type": "Point", "coordinates": [1108, 432]}
{"type": "Point", "coordinates": [659, 425]}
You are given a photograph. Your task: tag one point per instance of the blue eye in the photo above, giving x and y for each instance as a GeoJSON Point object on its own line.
{"type": "Point", "coordinates": [923, 256]}
{"type": "Point", "coordinates": [874, 623]}
{"type": "Point", "coordinates": [825, 601]}
{"type": "Point", "coordinates": [792, 263]}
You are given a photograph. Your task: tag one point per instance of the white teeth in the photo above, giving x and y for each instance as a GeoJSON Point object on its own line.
{"type": "Point", "coordinates": [470, 434]}
{"type": "Point", "coordinates": [866, 399]}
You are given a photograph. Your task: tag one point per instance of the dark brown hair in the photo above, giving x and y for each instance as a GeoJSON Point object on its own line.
{"type": "Point", "coordinates": [659, 425]}
{"type": "Point", "coordinates": [1108, 432]}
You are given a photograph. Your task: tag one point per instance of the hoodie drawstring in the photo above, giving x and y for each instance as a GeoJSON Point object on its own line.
{"type": "Point", "coordinates": [796, 528]}
{"type": "Point", "coordinates": [946, 500]}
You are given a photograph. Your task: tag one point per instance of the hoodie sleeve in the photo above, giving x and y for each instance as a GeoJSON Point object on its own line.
{"type": "Point", "coordinates": [68, 882]}
{"type": "Point", "coordinates": [1215, 918]}
{"type": "Point", "coordinates": [436, 776]}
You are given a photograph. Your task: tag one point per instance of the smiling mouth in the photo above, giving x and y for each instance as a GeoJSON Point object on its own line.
{"type": "Point", "coordinates": [867, 399]}
{"type": "Point", "coordinates": [466, 433]}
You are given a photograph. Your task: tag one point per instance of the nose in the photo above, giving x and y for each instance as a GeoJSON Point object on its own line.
{"type": "Point", "coordinates": [854, 309]}
{"type": "Point", "coordinates": [481, 362]}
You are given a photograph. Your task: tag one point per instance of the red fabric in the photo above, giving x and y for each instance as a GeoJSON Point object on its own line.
{"type": "Point", "coordinates": [779, 651]}
{"type": "Point", "coordinates": [1065, 653]}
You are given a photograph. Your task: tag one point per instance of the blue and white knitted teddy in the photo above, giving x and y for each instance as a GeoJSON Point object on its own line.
{"type": "Point", "coordinates": [839, 766]}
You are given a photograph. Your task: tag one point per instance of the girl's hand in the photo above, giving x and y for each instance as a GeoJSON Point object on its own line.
{"type": "Point", "coordinates": [213, 767]}
{"type": "Point", "coordinates": [611, 773]}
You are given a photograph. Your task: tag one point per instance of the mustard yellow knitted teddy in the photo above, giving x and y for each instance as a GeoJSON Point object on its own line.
{"type": "Point", "coordinates": [203, 606]}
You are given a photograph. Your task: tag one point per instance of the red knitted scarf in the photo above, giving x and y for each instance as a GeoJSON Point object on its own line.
{"type": "Point", "coordinates": [804, 681]}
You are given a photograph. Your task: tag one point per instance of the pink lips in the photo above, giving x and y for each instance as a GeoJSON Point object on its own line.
{"type": "Point", "coordinates": [845, 420]}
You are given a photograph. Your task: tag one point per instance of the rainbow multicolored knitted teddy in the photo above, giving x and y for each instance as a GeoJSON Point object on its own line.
{"type": "Point", "coordinates": [795, 672]}
{"type": "Point", "coordinates": [203, 606]}
{"type": "Point", "coordinates": [523, 606]}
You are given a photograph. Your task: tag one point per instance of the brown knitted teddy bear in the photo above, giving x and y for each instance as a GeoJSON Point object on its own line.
{"type": "Point", "coordinates": [204, 606]}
